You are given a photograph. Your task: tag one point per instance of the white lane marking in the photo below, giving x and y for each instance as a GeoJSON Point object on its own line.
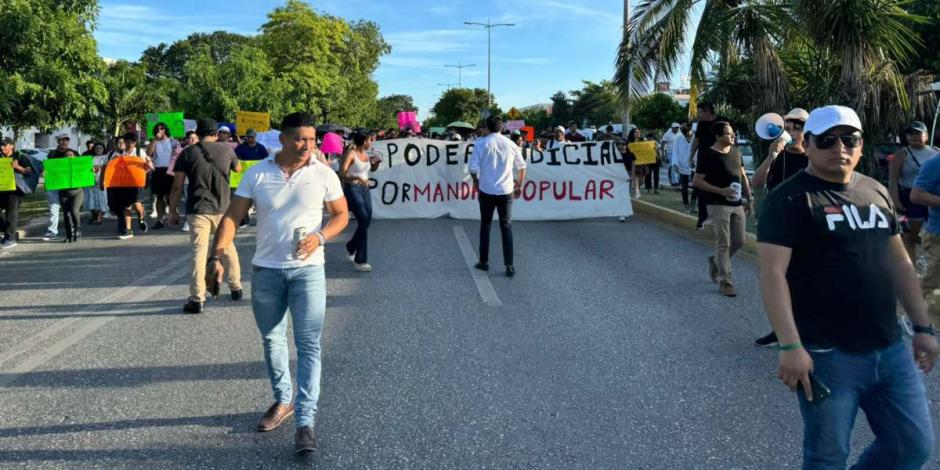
{"type": "Point", "coordinates": [484, 286]}
{"type": "Point", "coordinates": [120, 294]}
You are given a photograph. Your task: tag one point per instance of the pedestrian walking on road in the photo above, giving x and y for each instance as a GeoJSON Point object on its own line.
{"type": "Point", "coordinates": [206, 165]}
{"type": "Point", "coordinates": [723, 184]}
{"type": "Point", "coordinates": [926, 192]}
{"type": "Point", "coordinates": [96, 198]}
{"type": "Point", "coordinates": [10, 200]}
{"type": "Point", "coordinates": [679, 162]}
{"type": "Point", "coordinates": [704, 139]}
{"type": "Point", "coordinates": [902, 170]}
{"type": "Point", "coordinates": [71, 202]}
{"type": "Point", "coordinates": [161, 149]}
{"type": "Point", "coordinates": [354, 173]}
{"type": "Point", "coordinates": [289, 191]}
{"type": "Point", "coordinates": [52, 197]}
{"type": "Point", "coordinates": [832, 267]}
{"type": "Point", "coordinates": [140, 195]}
{"type": "Point", "coordinates": [492, 164]}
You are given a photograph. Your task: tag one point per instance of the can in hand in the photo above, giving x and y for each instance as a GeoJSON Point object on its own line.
{"type": "Point", "coordinates": [300, 233]}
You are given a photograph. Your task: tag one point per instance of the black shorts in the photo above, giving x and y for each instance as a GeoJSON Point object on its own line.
{"type": "Point", "coordinates": [120, 199]}
{"type": "Point", "coordinates": [911, 210]}
{"type": "Point", "coordinates": [160, 182]}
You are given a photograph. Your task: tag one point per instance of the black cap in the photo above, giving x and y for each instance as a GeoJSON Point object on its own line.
{"type": "Point", "coordinates": [206, 126]}
{"type": "Point", "coordinates": [916, 126]}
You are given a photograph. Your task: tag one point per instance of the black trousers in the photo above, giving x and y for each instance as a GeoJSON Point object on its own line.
{"type": "Point", "coordinates": [702, 207]}
{"type": "Point", "coordinates": [652, 176]}
{"type": "Point", "coordinates": [503, 205]}
{"type": "Point", "coordinates": [10, 205]}
{"type": "Point", "coordinates": [71, 200]}
{"type": "Point", "coordinates": [684, 188]}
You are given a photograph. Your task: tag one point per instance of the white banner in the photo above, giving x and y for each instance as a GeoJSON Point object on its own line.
{"type": "Point", "coordinates": [422, 178]}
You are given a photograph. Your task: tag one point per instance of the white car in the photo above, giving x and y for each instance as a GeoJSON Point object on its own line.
{"type": "Point", "coordinates": [38, 154]}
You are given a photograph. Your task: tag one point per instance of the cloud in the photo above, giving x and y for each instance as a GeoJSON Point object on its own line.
{"type": "Point", "coordinates": [431, 42]}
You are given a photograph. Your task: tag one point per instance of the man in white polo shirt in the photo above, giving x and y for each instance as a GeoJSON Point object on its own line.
{"type": "Point", "coordinates": [288, 191]}
{"type": "Point", "coordinates": [491, 166]}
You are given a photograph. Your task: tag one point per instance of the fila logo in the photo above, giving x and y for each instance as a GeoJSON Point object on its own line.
{"type": "Point", "coordinates": [849, 213]}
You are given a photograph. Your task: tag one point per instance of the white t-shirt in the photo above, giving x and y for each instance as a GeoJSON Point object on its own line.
{"type": "Point", "coordinates": [668, 139]}
{"type": "Point", "coordinates": [680, 154]}
{"type": "Point", "coordinates": [494, 158]}
{"type": "Point", "coordinates": [284, 204]}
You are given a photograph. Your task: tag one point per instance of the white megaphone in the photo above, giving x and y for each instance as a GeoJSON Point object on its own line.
{"type": "Point", "coordinates": [770, 127]}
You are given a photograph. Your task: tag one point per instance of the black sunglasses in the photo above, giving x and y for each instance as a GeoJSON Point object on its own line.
{"type": "Point", "coordinates": [850, 141]}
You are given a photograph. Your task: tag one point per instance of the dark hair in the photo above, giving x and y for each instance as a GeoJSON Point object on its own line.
{"type": "Point", "coordinates": [99, 144]}
{"type": "Point", "coordinates": [494, 123]}
{"type": "Point", "coordinates": [206, 127]}
{"type": "Point", "coordinates": [609, 128]}
{"type": "Point", "coordinates": [718, 128]}
{"type": "Point", "coordinates": [130, 137]}
{"type": "Point", "coordinates": [90, 141]}
{"type": "Point", "coordinates": [189, 133]}
{"type": "Point", "coordinates": [709, 107]}
{"type": "Point", "coordinates": [6, 141]}
{"type": "Point", "coordinates": [633, 135]}
{"type": "Point", "coordinates": [359, 138]}
{"type": "Point", "coordinates": [296, 120]}
{"type": "Point", "coordinates": [165, 127]}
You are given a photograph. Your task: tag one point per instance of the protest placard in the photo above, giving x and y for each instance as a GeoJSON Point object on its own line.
{"type": "Point", "coordinates": [515, 125]}
{"type": "Point", "coordinates": [7, 180]}
{"type": "Point", "coordinates": [174, 121]}
{"type": "Point", "coordinates": [529, 133]}
{"type": "Point", "coordinates": [428, 179]}
{"type": "Point", "coordinates": [126, 172]}
{"type": "Point", "coordinates": [69, 173]}
{"type": "Point", "coordinates": [235, 177]}
{"type": "Point", "coordinates": [645, 152]}
{"type": "Point", "coordinates": [408, 119]}
{"type": "Point", "coordinates": [244, 120]}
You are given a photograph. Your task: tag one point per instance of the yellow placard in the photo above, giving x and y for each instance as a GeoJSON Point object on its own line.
{"type": "Point", "coordinates": [244, 120]}
{"type": "Point", "coordinates": [7, 182]}
{"type": "Point", "coordinates": [645, 152]}
{"type": "Point", "coordinates": [235, 177]}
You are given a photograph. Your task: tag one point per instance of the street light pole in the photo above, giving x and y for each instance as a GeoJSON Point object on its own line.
{"type": "Point", "coordinates": [460, 68]}
{"type": "Point", "coordinates": [489, 53]}
{"type": "Point", "coordinates": [626, 106]}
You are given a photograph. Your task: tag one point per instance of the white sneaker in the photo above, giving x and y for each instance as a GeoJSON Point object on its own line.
{"type": "Point", "coordinates": [8, 245]}
{"type": "Point", "coordinates": [363, 268]}
{"type": "Point", "coordinates": [351, 257]}
{"type": "Point", "coordinates": [185, 227]}
{"type": "Point", "coordinates": [622, 219]}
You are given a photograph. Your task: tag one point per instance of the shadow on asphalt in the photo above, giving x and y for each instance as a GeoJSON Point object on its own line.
{"type": "Point", "coordinates": [96, 310]}
{"type": "Point", "coordinates": [139, 376]}
{"type": "Point", "coordinates": [241, 423]}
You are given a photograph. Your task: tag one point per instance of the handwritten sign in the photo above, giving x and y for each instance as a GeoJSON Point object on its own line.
{"type": "Point", "coordinates": [645, 152]}
{"type": "Point", "coordinates": [235, 177]}
{"type": "Point", "coordinates": [244, 120]}
{"type": "Point", "coordinates": [515, 125]}
{"type": "Point", "coordinates": [174, 121]}
{"type": "Point", "coordinates": [529, 133]}
{"type": "Point", "coordinates": [69, 173]}
{"type": "Point", "coordinates": [126, 172]}
{"type": "Point", "coordinates": [7, 180]}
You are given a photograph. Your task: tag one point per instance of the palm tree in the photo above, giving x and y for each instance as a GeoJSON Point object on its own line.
{"type": "Point", "coordinates": [775, 53]}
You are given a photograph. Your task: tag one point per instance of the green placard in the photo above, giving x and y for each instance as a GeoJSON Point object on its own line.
{"type": "Point", "coordinates": [7, 183]}
{"type": "Point", "coordinates": [173, 120]}
{"type": "Point", "coordinates": [236, 176]}
{"type": "Point", "coordinates": [69, 173]}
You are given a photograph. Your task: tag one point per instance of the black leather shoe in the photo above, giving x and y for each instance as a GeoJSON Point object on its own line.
{"type": "Point", "coordinates": [482, 266]}
{"type": "Point", "coordinates": [510, 271]}
{"type": "Point", "coordinates": [237, 295]}
{"type": "Point", "coordinates": [305, 440]}
{"type": "Point", "coordinates": [192, 307]}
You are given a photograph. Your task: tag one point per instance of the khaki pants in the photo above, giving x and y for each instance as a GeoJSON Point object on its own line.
{"type": "Point", "coordinates": [931, 279]}
{"type": "Point", "coordinates": [202, 227]}
{"type": "Point", "coordinates": [728, 222]}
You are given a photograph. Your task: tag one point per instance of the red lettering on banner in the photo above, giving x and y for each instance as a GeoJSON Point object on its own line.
{"type": "Point", "coordinates": [564, 190]}
{"type": "Point", "coordinates": [438, 193]}
{"type": "Point", "coordinates": [571, 192]}
{"type": "Point", "coordinates": [544, 186]}
{"type": "Point", "coordinates": [464, 191]}
{"type": "Point", "coordinates": [453, 191]}
{"type": "Point", "coordinates": [526, 193]}
{"type": "Point", "coordinates": [590, 191]}
{"type": "Point", "coordinates": [607, 187]}
{"type": "Point", "coordinates": [422, 191]}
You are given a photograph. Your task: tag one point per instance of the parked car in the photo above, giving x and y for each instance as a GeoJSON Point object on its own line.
{"type": "Point", "coordinates": [38, 154]}
{"type": "Point", "coordinates": [747, 156]}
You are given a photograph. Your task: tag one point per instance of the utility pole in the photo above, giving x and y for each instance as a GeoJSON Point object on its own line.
{"type": "Point", "coordinates": [448, 85]}
{"type": "Point", "coordinates": [626, 37]}
{"type": "Point", "coordinates": [460, 68]}
{"type": "Point", "coordinates": [489, 53]}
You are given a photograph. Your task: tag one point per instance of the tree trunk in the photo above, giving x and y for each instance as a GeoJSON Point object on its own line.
{"type": "Point", "coordinates": [625, 131]}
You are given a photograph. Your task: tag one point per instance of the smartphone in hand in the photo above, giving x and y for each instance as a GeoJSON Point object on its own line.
{"type": "Point", "coordinates": [820, 390]}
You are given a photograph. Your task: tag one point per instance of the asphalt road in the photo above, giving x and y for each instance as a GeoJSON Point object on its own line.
{"type": "Point", "coordinates": [609, 349]}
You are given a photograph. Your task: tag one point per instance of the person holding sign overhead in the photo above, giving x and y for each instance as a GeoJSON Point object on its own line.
{"type": "Point", "coordinates": [207, 164]}
{"type": "Point", "coordinates": [10, 199]}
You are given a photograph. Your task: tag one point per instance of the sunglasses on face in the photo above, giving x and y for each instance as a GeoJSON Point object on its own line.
{"type": "Point", "coordinates": [850, 141]}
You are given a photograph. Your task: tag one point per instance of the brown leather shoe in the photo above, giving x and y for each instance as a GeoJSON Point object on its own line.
{"type": "Point", "coordinates": [727, 289]}
{"type": "Point", "coordinates": [275, 415]}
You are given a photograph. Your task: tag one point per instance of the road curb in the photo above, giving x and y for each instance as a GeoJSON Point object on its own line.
{"type": "Point", "coordinates": [685, 223]}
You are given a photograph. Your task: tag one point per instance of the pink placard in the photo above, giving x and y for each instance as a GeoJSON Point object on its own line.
{"type": "Point", "coordinates": [408, 118]}
{"type": "Point", "coordinates": [332, 143]}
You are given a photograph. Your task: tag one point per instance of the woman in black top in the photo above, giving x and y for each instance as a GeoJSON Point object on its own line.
{"type": "Point", "coordinates": [71, 200]}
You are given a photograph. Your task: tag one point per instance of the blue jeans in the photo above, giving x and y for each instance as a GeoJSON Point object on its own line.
{"type": "Point", "coordinates": [889, 388]}
{"type": "Point", "coordinates": [360, 203]}
{"type": "Point", "coordinates": [303, 291]}
{"type": "Point", "coordinates": [52, 197]}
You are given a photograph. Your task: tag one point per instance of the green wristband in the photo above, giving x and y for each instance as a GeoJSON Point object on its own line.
{"type": "Point", "coordinates": [790, 346]}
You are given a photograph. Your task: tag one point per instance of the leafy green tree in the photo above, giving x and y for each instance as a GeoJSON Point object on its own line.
{"type": "Point", "coordinates": [48, 63]}
{"type": "Point", "coordinates": [538, 118]}
{"type": "Point", "coordinates": [165, 60]}
{"type": "Point", "coordinates": [597, 103]}
{"type": "Point", "coordinates": [129, 95]}
{"type": "Point", "coordinates": [386, 111]}
{"type": "Point", "coordinates": [461, 104]}
{"type": "Point", "coordinates": [561, 108]}
{"type": "Point", "coordinates": [657, 111]}
{"type": "Point", "coordinates": [927, 56]}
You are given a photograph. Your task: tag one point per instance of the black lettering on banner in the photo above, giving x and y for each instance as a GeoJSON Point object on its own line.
{"type": "Point", "coordinates": [405, 189]}
{"type": "Point", "coordinates": [450, 154]}
{"type": "Point", "coordinates": [373, 183]}
{"type": "Point", "coordinates": [385, 192]}
{"type": "Point", "coordinates": [553, 157]}
{"type": "Point", "coordinates": [588, 160]}
{"type": "Point", "coordinates": [412, 149]}
{"type": "Point", "coordinates": [536, 156]}
{"type": "Point", "coordinates": [564, 152]}
{"type": "Point", "coordinates": [466, 155]}
{"type": "Point", "coordinates": [437, 154]}
{"type": "Point", "coordinates": [618, 157]}
{"type": "Point", "coordinates": [605, 153]}
{"type": "Point", "coordinates": [392, 150]}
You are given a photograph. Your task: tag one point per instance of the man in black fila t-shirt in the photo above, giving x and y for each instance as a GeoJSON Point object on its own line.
{"type": "Point", "coordinates": [832, 267]}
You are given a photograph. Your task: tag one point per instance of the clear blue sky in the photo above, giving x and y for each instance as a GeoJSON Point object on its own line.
{"type": "Point", "coordinates": [554, 45]}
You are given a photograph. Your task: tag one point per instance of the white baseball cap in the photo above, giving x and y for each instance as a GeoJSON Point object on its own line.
{"type": "Point", "coordinates": [674, 125]}
{"type": "Point", "coordinates": [827, 117]}
{"type": "Point", "coordinates": [560, 129]}
{"type": "Point", "coordinates": [224, 129]}
{"type": "Point", "coordinates": [796, 114]}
